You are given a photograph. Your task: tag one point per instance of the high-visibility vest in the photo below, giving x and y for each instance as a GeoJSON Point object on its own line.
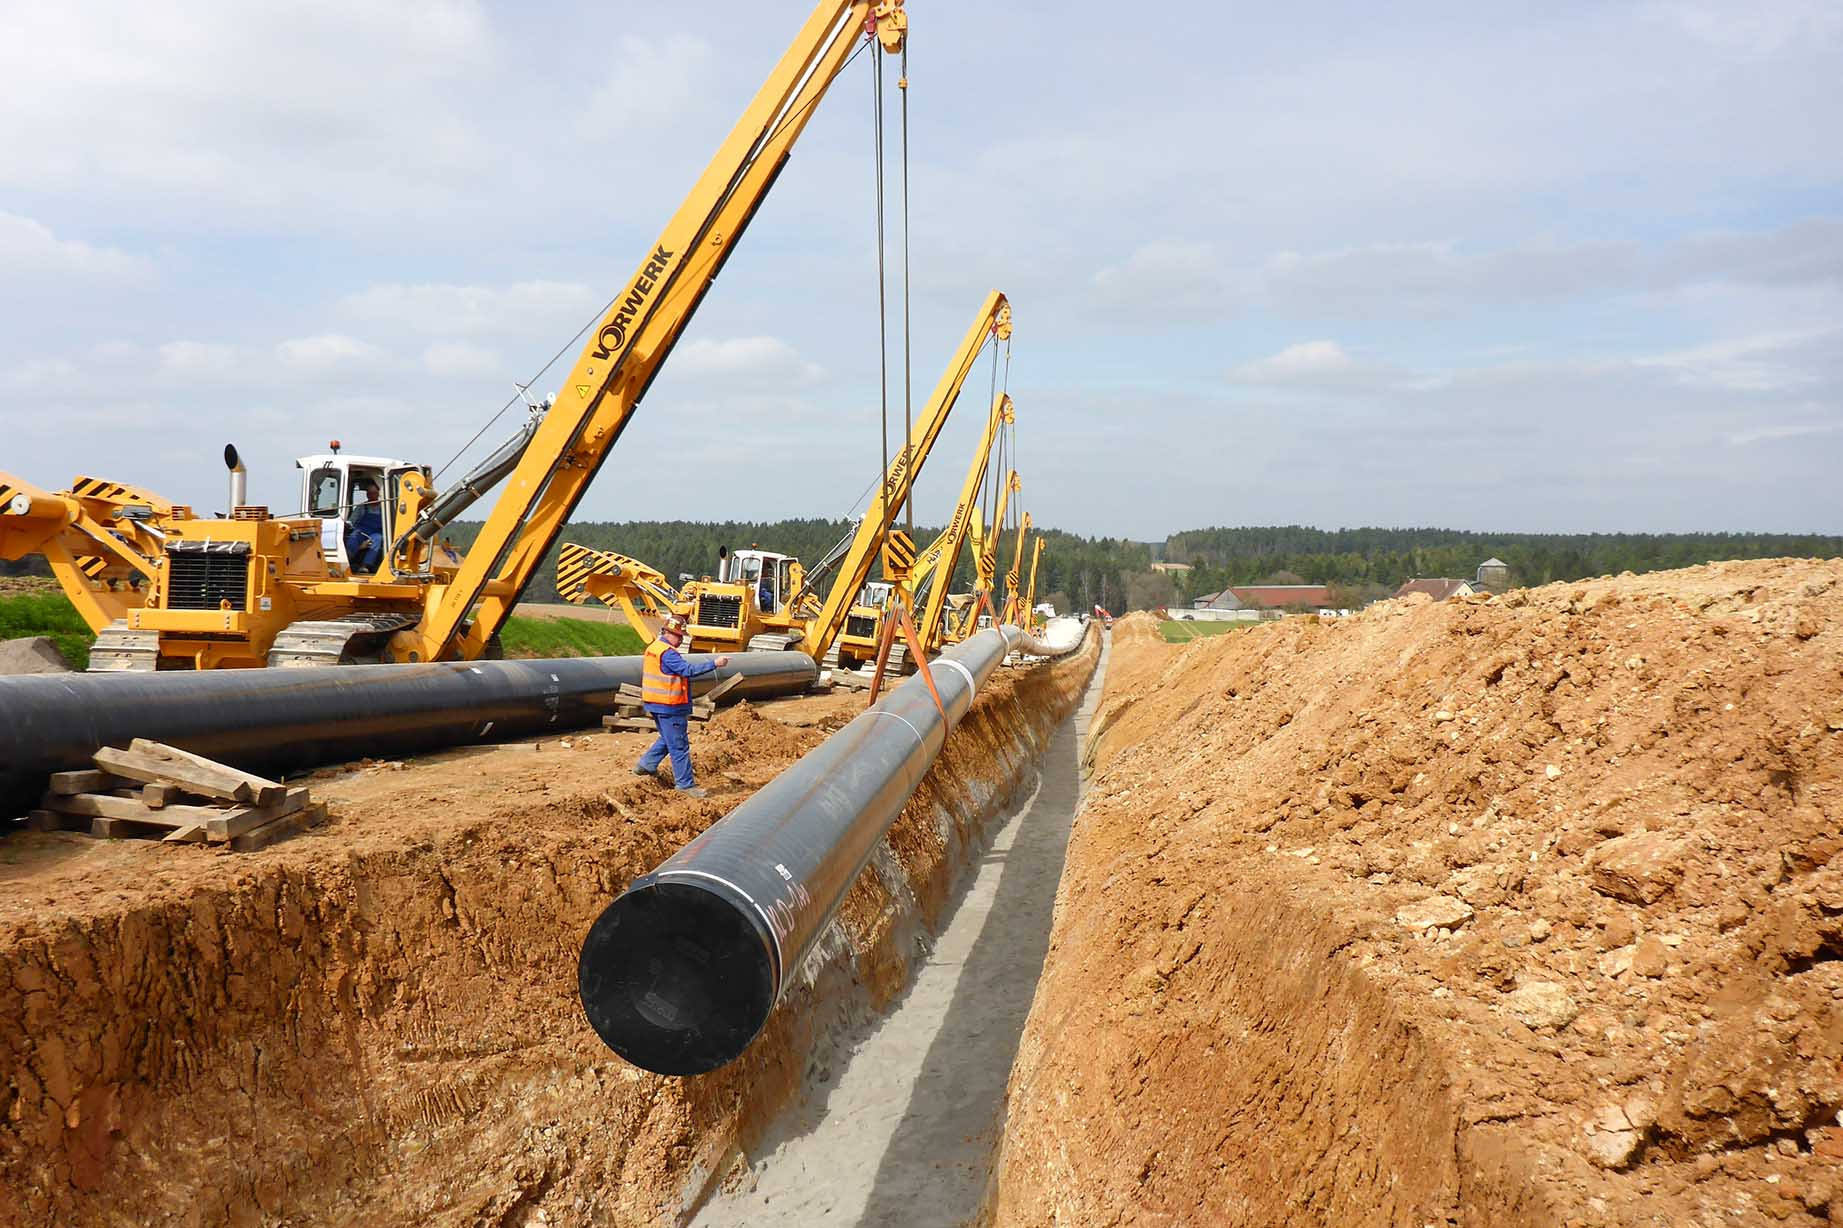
{"type": "Point", "coordinates": [659, 687]}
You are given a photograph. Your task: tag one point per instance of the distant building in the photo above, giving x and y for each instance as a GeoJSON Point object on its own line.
{"type": "Point", "coordinates": [1493, 575]}
{"type": "Point", "coordinates": [1171, 568]}
{"type": "Point", "coordinates": [1266, 597]}
{"type": "Point", "coordinates": [1439, 590]}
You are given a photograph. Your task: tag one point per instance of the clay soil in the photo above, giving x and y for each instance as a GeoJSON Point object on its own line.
{"type": "Point", "coordinates": [1523, 910]}
{"type": "Point", "coordinates": [376, 1022]}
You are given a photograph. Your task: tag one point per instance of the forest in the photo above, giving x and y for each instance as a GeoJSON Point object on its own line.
{"type": "Point", "coordinates": [1081, 572]}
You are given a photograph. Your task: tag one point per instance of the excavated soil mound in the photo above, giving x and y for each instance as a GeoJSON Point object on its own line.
{"type": "Point", "coordinates": [1503, 911]}
{"type": "Point", "coordinates": [377, 1023]}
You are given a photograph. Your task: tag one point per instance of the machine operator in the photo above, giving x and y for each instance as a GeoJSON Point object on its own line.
{"type": "Point", "coordinates": [665, 687]}
{"type": "Point", "coordinates": [365, 528]}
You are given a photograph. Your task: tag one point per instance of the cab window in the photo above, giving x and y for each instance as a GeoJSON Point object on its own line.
{"type": "Point", "coordinates": [323, 493]}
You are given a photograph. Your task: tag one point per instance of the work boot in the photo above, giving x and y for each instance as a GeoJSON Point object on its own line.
{"type": "Point", "coordinates": [695, 791]}
{"type": "Point", "coordinates": [640, 771]}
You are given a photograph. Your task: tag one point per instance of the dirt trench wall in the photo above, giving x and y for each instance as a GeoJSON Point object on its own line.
{"type": "Point", "coordinates": [352, 1030]}
{"type": "Point", "coordinates": [1516, 910]}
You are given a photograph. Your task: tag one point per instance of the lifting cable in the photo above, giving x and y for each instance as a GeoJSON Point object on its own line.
{"type": "Point", "coordinates": [883, 357]}
{"type": "Point", "coordinates": [908, 380]}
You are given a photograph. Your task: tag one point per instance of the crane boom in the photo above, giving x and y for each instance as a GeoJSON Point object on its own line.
{"type": "Point", "coordinates": [994, 321]}
{"type": "Point", "coordinates": [1030, 598]}
{"type": "Point", "coordinates": [638, 330]}
{"type": "Point", "coordinates": [943, 555]}
{"type": "Point", "coordinates": [985, 556]}
{"type": "Point", "coordinates": [1014, 591]}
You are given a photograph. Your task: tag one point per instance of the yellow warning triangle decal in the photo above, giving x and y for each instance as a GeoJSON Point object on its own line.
{"type": "Point", "coordinates": [582, 390]}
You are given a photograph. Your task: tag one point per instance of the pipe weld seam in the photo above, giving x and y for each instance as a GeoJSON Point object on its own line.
{"type": "Point", "coordinates": [972, 687]}
{"type": "Point", "coordinates": [904, 721]}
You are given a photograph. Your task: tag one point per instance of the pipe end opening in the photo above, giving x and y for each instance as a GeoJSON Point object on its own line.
{"type": "Point", "coordinates": [676, 978]}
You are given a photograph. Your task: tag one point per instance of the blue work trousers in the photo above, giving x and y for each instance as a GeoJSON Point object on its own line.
{"type": "Point", "coordinates": [674, 739]}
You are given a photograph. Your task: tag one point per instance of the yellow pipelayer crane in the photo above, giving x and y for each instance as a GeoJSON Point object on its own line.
{"type": "Point", "coordinates": [344, 581]}
{"type": "Point", "coordinates": [1031, 621]}
{"type": "Point", "coordinates": [1014, 588]}
{"type": "Point", "coordinates": [761, 600]}
{"type": "Point", "coordinates": [985, 565]}
{"type": "Point", "coordinates": [934, 567]}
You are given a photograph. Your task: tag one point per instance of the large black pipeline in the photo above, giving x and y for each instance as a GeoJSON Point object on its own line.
{"type": "Point", "coordinates": [286, 719]}
{"type": "Point", "coordinates": [680, 973]}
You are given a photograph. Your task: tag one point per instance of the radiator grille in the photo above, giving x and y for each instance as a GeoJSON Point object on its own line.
{"type": "Point", "coordinates": [719, 611]}
{"type": "Point", "coordinates": [202, 579]}
{"type": "Point", "coordinates": [860, 627]}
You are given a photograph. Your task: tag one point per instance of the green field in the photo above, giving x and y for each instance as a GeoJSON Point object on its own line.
{"type": "Point", "coordinates": [49, 614]}
{"type": "Point", "coordinates": [52, 614]}
{"type": "Point", "coordinates": [1176, 632]}
{"type": "Point", "coordinates": [569, 637]}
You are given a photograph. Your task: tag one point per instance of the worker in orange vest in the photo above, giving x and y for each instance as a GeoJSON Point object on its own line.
{"type": "Point", "coordinates": [665, 692]}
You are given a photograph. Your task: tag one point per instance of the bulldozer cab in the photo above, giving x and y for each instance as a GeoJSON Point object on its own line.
{"type": "Point", "coordinates": [355, 529]}
{"type": "Point", "coordinates": [768, 576]}
{"type": "Point", "coordinates": [876, 594]}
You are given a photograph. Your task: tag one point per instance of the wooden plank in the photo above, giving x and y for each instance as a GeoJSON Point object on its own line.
{"type": "Point", "coordinates": [630, 691]}
{"type": "Point", "coordinates": [262, 791]}
{"type": "Point", "coordinates": [723, 688]}
{"type": "Point", "coordinates": [89, 780]}
{"type": "Point", "coordinates": [193, 834]}
{"type": "Point", "coordinates": [630, 724]}
{"type": "Point", "coordinates": [229, 824]}
{"type": "Point", "coordinates": [45, 820]}
{"type": "Point", "coordinates": [159, 796]}
{"type": "Point", "coordinates": [101, 805]}
{"type": "Point", "coordinates": [120, 829]}
{"type": "Point", "coordinates": [280, 829]}
{"type": "Point", "coordinates": [149, 769]}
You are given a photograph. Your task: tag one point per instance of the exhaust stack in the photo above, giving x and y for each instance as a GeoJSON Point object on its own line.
{"type": "Point", "coordinates": [239, 479]}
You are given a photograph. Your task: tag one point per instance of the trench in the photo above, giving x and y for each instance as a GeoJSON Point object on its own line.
{"type": "Point", "coordinates": [377, 1022]}
{"type": "Point", "coordinates": [899, 1122]}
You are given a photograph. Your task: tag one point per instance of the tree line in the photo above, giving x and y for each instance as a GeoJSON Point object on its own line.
{"type": "Point", "coordinates": [1076, 572]}
{"type": "Point", "coordinates": [1375, 561]}
{"type": "Point", "coordinates": [1081, 572]}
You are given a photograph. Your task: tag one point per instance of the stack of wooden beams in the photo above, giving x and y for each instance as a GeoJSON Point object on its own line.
{"type": "Point", "coordinates": [155, 791]}
{"type": "Point", "coordinates": [630, 714]}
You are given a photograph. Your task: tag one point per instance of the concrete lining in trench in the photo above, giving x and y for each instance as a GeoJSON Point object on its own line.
{"type": "Point", "coordinates": [904, 1131]}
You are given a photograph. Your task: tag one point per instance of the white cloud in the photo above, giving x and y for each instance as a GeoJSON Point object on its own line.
{"type": "Point", "coordinates": [30, 248]}
{"type": "Point", "coordinates": [1166, 279]}
{"type": "Point", "coordinates": [1313, 364]}
{"type": "Point", "coordinates": [442, 309]}
{"type": "Point", "coordinates": [328, 352]}
{"type": "Point", "coordinates": [745, 358]}
{"type": "Point", "coordinates": [1447, 277]}
{"type": "Point", "coordinates": [197, 359]}
{"type": "Point", "coordinates": [1771, 363]}
{"type": "Point", "coordinates": [652, 79]}
{"type": "Point", "coordinates": [1782, 431]}
{"type": "Point", "coordinates": [318, 111]}
{"type": "Point", "coordinates": [1756, 30]}
{"type": "Point", "coordinates": [456, 358]}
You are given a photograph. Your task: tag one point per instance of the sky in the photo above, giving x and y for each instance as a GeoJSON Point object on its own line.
{"type": "Point", "coordinates": [1545, 267]}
